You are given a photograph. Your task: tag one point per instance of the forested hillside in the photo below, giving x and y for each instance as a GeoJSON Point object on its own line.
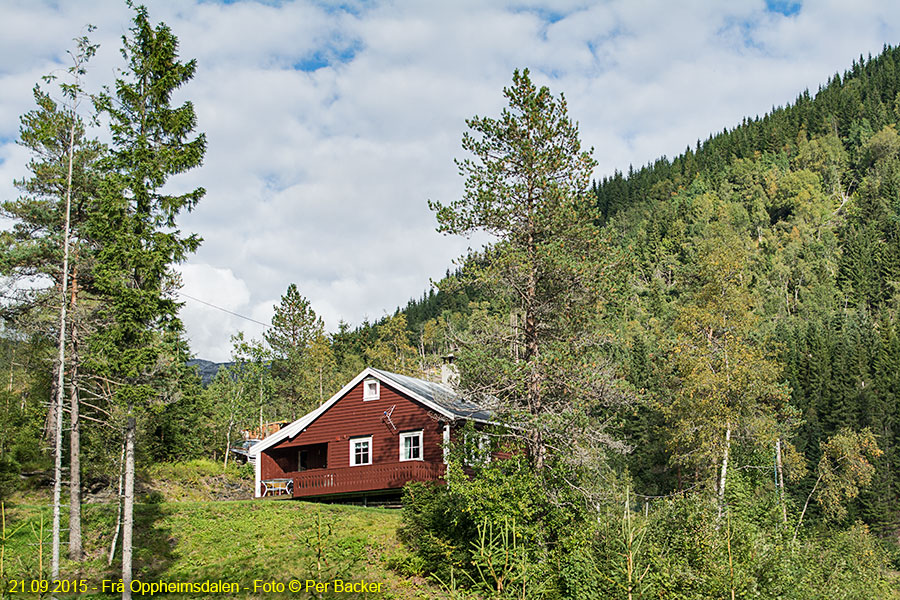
{"type": "Point", "coordinates": [808, 198]}
{"type": "Point", "coordinates": [702, 352]}
{"type": "Point", "coordinates": [716, 352]}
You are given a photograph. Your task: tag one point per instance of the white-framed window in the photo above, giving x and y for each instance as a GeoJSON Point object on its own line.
{"type": "Point", "coordinates": [478, 448]}
{"type": "Point", "coordinates": [411, 445]}
{"type": "Point", "coordinates": [371, 389]}
{"type": "Point", "coordinates": [360, 451]}
{"type": "Point", "coordinates": [446, 443]}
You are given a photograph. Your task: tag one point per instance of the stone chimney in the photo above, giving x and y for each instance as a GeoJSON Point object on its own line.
{"type": "Point", "coordinates": [449, 372]}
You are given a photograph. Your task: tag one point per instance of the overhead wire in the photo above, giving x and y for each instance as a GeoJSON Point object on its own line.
{"type": "Point", "coordinates": [230, 312]}
{"type": "Point", "coordinates": [189, 297]}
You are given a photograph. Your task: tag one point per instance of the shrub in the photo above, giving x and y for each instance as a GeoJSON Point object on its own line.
{"type": "Point", "coordinates": [678, 549]}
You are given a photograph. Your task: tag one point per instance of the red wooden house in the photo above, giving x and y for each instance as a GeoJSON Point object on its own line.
{"type": "Point", "coordinates": [379, 432]}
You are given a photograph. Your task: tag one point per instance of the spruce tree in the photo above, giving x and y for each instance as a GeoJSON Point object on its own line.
{"type": "Point", "coordinates": [138, 351]}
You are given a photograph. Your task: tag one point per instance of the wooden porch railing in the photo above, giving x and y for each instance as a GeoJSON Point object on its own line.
{"type": "Point", "coordinates": [316, 482]}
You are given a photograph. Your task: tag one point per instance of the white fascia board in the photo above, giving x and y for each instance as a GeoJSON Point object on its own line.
{"type": "Point", "coordinates": [303, 422]}
{"type": "Point", "coordinates": [257, 470]}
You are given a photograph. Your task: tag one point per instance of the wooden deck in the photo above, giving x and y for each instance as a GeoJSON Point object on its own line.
{"type": "Point", "coordinates": [319, 482]}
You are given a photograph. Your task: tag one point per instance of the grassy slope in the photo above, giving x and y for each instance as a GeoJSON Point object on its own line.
{"type": "Point", "coordinates": [233, 541]}
{"type": "Point", "coordinates": [270, 540]}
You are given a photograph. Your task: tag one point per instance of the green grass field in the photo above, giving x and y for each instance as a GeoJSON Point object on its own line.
{"type": "Point", "coordinates": [245, 542]}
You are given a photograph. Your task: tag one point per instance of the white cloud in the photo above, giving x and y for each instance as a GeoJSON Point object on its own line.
{"type": "Point", "coordinates": [213, 300]}
{"type": "Point", "coordinates": [321, 176]}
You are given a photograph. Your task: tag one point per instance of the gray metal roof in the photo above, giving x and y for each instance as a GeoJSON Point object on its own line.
{"type": "Point", "coordinates": [440, 394]}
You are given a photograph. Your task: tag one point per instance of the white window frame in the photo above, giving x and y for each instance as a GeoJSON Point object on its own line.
{"type": "Point", "coordinates": [412, 434]}
{"type": "Point", "coordinates": [481, 447]}
{"type": "Point", "coordinates": [446, 443]}
{"type": "Point", "coordinates": [356, 440]}
{"type": "Point", "coordinates": [376, 394]}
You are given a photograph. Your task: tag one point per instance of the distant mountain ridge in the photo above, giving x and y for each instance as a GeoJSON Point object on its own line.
{"type": "Point", "coordinates": [207, 369]}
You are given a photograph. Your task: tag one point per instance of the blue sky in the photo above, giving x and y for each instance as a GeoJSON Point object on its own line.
{"type": "Point", "coordinates": [330, 126]}
{"type": "Point", "coordinates": [784, 7]}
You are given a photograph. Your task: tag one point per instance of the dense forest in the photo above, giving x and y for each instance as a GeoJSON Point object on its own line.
{"type": "Point", "coordinates": [808, 196]}
{"type": "Point", "coordinates": [695, 363]}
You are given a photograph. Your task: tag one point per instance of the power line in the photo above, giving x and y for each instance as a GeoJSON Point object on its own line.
{"type": "Point", "coordinates": [180, 293]}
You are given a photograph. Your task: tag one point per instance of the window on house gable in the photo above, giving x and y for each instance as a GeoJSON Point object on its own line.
{"type": "Point", "coordinates": [371, 389]}
{"type": "Point", "coordinates": [411, 445]}
{"type": "Point", "coordinates": [361, 451]}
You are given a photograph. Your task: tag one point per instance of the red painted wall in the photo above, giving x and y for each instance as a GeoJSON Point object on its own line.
{"type": "Point", "coordinates": [351, 416]}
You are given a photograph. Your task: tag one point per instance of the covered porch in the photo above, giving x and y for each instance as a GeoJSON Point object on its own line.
{"type": "Point", "coordinates": [290, 461]}
{"type": "Point", "coordinates": [303, 472]}
{"type": "Point", "coordinates": [343, 480]}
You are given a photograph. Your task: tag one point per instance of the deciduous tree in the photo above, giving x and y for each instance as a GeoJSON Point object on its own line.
{"type": "Point", "coordinates": [845, 467]}
{"type": "Point", "coordinates": [393, 351]}
{"type": "Point", "coordinates": [723, 381]}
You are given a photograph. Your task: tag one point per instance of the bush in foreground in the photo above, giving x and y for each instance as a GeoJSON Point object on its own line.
{"type": "Point", "coordinates": [499, 534]}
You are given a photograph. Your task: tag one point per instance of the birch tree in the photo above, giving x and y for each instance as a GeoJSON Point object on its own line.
{"type": "Point", "coordinates": [228, 394]}
{"type": "Point", "coordinates": [255, 362]}
{"type": "Point", "coordinates": [392, 351]}
{"type": "Point", "coordinates": [845, 467]}
{"type": "Point", "coordinates": [723, 382]}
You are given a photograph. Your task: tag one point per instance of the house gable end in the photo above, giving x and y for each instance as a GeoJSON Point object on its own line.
{"type": "Point", "coordinates": [385, 418]}
{"type": "Point", "coordinates": [292, 430]}
{"type": "Point", "coordinates": [378, 432]}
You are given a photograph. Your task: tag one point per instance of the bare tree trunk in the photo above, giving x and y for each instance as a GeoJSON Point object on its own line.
{"type": "Point", "coordinates": [780, 483]}
{"type": "Point", "coordinates": [128, 511]}
{"type": "Point", "coordinates": [112, 545]}
{"type": "Point", "coordinates": [57, 478]}
{"type": "Point", "coordinates": [805, 505]}
{"type": "Point", "coordinates": [50, 421]}
{"type": "Point", "coordinates": [724, 470]}
{"type": "Point", "coordinates": [228, 443]}
{"type": "Point", "coordinates": [61, 359]}
{"type": "Point", "coordinates": [75, 550]}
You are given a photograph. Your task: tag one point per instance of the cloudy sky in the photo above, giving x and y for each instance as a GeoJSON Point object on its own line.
{"type": "Point", "coordinates": [330, 125]}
